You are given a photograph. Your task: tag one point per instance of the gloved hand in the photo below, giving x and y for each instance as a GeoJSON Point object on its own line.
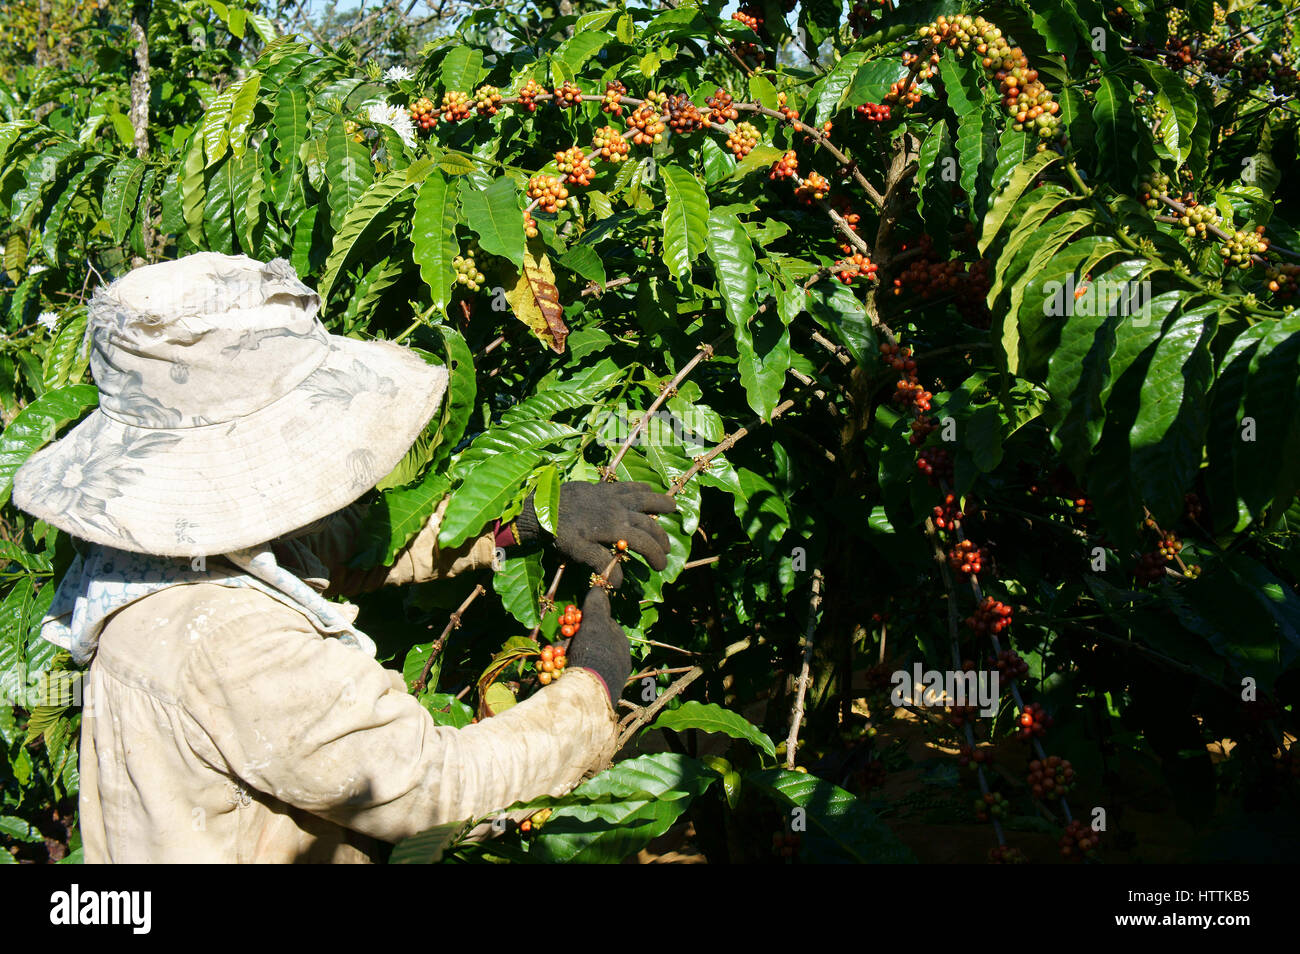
{"type": "Point", "coordinates": [601, 645]}
{"type": "Point", "coordinates": [594, 516]}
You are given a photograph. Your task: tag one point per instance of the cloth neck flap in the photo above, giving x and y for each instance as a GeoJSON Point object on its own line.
{"type": "Point", "coordinates": [103, 580]}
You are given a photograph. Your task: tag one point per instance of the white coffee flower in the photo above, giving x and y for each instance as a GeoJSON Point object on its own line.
{"type": "Point", "coordinates": [37, 269]}
{"type": "Point", "coordinates": [396, 73]}
{"type": "Point", "coordinates": [48, 320]}
{"type": "Point", "coordinates": [395, 118]}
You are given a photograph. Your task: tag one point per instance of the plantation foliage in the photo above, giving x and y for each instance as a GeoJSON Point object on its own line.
{"type": "Point", "coordinates": [1077, 321]}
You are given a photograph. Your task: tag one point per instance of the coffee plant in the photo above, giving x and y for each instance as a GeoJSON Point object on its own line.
{"type": "Point", "coordinates": [963, 335]}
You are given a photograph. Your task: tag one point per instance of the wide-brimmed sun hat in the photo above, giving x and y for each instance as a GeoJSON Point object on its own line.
{"type": "Point", "coordinates": [228, 416]}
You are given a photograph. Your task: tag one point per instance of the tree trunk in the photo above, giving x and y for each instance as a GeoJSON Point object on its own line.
{"type": "Point", "coordinates": [43, 34]}
{"type": "Point", "coordinates": [140, 94]}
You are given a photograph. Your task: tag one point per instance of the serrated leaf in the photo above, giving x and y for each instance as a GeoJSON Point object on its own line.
{"type": "Point", "coordinates": [1116, 123]}
{"type": "Point", "coordinates": [535, 300]}
{"type": "Point", "coordinates": [519, 583]}
{"type": "Point", "coordinates": [656, 790]}
{"type": "Point", "coordinates": [710, 717]}
{"type": "Point", "coordinates": [496, 216]}
{"type": "Point", "coordinates": [462, 389]}
{"type": "Point", "coordinates": [372, 211]}
{"type": "Point", "coordinates": [427, 848]}
{"type": "Point", "coordinates": [242, 103]}
{"type": "Point", "coordinates": [1169, 430]}
{"type": "Point", "coordinates": [214, 133]}
{"type": "Point", "coordinates": [829, 90]}
{"type": "Point", "coordinates": [36, 425]}
{"type": "Point", "coordinates": [433, 233]}
{"type": "Point", "coordinates": [685, 219]}
{"type": "Point", "coordinates": [461, 69]}
{"type": "Point", "coordinates": [851, 829]}
{"type": "Point", "coordinates": [484, 495]}
{"type": "Point", "coordinates": [348, 170]}
{"type": "Point", "coordinates": [395, 518]}
{"type": "Point", "coordinates": [1002, 205]}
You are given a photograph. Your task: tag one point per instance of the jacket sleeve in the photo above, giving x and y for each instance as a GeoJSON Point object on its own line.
{"type": "Point", "coordinates": [335, 543]}
{"type": "Point", "coordinates": [325, 728]}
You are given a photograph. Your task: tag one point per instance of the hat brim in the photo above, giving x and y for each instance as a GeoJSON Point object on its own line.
{"type": "Point", "coordinates": [219, 487]}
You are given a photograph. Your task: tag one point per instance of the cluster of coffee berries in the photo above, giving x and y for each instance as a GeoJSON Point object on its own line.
{"type": "Point", "coordinates": [455, 106]}
{"type": "Point", "coordinates": [742, 140]}
{"type": "Point", "coordinates": [487, 100]}
{"type": "Point", "coordinates": [575, 165]}
{"type": "Point", "coordinates": [530, 225]}
{"type": "Point", "coordinates": [989, 617]}
{"type": "Point", "coordinates": [813, 188]}
{"type": "Point", "coordinates": [424, 114]}
{"type": "Point", "coordinates": [1241, 246]}
{"type": "Point", "coordinates": [613, 101]}
{"type": "Point", "coordinates": [467, 272]}
{"type": "Point", "coordinates": [1150, 567]}
{"type": "Point", "coordinates": [935, 463]}
{"type": "Point", "coordinates": [856, 265]}
{"type": "Point", "coordinates": [568, 96]}
{"type": "Point", "coordinates": [980, 755]}
{"type": "Point", "coordinates": [928, 278]}
{"type": "Point", "coordinates": [1169, 546]}
{"type": "Point", "coordinates": [790, 113]}
{"type": "Point", "coordinates": [785, 167]}
{"type": "Point", "coordinates": [1081, 503]}
{"type": "Point", "coordinates": [1179, 53]}
{"type": "Point", "coordinates": [548, 192]}
{"type": "Point", "coordinates": [1026, 100]}
{"type": "Point", "coordinates": [721, 107]}
{"type": "Point", "coordinates": [1198, 220]}
{"type": "Point", "coordinates": [991, 805]}
{"type": "Point", "coordinates": [1010, 666]}
{"type": "Point", "coordinates": [553, 660]}
{"type": "Point", "coordinates": [1220, 59]}
{"type": "Point", "coordinates": [860, 18]}
{"type": "Point", "coordinates": [903, 92]}
{"type": "Point", "coordinates": [874, 112]}
{"type": "Point", "coordinates": [610, 144]}
{"type": "Point", "coordinates": [961, 716]}
{"type": "Point", "coordinates": [683, 115]}
{"type": "Point", "coordinates": [647, 122]}
{"type": "Point", "coordinates": [657, 99]}
{"type": "Point", "coordinates": [851, 219]}
{"type": "Point", "coordinates": [748, 17]}
{"type": "Point", "coordinates": [908, 392]}
{"type": "Point", "coordinates": [1282, 279]}
{"type": "Point", "coordinates": [785, 844]}
{"type": "Point", "coordinates": [948, 515]}
{"type": "Point", "coordinates": [1152, 188]}
{"type": "Point", "coordinates": [1006, 855]}
{"type": "Point", "coordinates": [1052, 777]}
{"type": "Point", "coordinates": [898, 358]}
{"type": "Point", "coordinates": [924, 66]}
{"type": "Point", "coordinates": [1079, 841]}
{"type": "Point", "coordinates": [1033, 721]}
{"type": "Point", "coordinates": [966, 558]}
{"type": "Point", "coordinates": [528, 94]}
{"type": "Point", "coordinates": [922, 426]}
{"type": "Point", "coordinates": [535, 821]}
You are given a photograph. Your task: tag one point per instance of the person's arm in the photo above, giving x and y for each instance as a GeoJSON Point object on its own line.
{"type": "Point", "coordinates": [324, 728]}
{"type": "Point", "coordinates": [335, 541]}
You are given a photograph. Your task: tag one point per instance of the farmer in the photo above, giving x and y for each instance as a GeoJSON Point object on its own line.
{"type": "Point", "coordinates": [234, 712]}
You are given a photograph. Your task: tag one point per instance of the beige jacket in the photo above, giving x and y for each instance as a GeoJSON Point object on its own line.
{"type": "Point", "coordinates": [221, 727]}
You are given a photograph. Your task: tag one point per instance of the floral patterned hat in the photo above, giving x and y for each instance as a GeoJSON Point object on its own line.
{"type": "Point", "coordinates": [227, 415]}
